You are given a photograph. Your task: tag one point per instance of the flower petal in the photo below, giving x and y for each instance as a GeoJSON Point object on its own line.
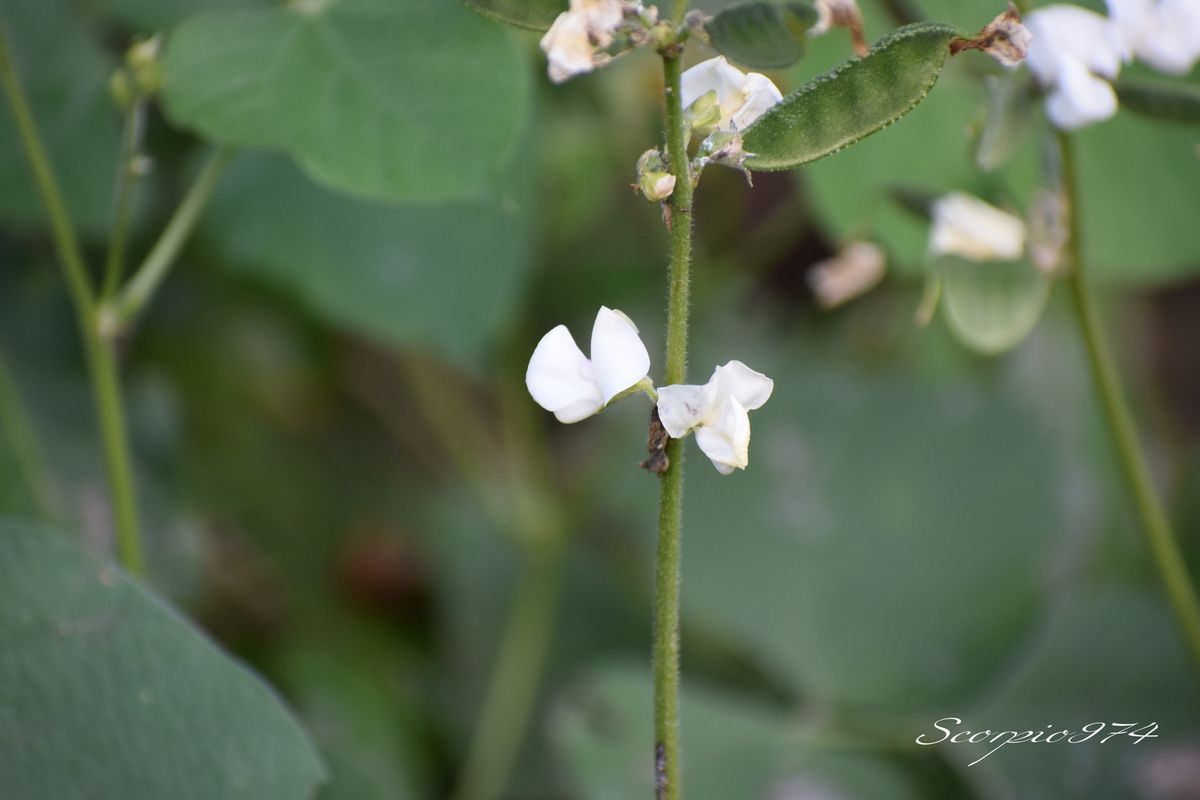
{"type": "Point", "coordinates": [619, 359]}
{"type": "Point", "coordinates": [560, 379]}
{"type": "Point", "coordinates": [966, 226]}
{"type": "Point", "coordinates": [760, 96]}
{"type": "Point", "coordinates": [727, 443]}
{"type": "Point", "coordinates": [714, 75]}
{"type": "Point", "coordinates": [568, 49]}
{"type": "Point", "coordinates": [683, 407]}
{"type": "Point", "coordinates": [749, 388]}
{"type": "Point", "coordinates": [1080, 99]}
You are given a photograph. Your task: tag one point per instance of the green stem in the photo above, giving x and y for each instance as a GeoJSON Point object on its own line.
{"type": "Point", "coordinates": [154, 269]}
{"type": "Point", "coordinates": [101, 362]}
{"type": "Point", "coordinates": [1171, 567]}
{"type": "Point", "coordinates": [131, 143]}
{"type": "Point", "coordinates": [512, 689]}
{"type": "Point", "coordinates": [22, 438]}
{"type": "Point", "coordinates": [670, 510]}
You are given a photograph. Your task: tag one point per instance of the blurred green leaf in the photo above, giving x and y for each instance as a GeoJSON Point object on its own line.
{"type": "Point", "coordinates": [858, 98]}
{"type": "Point", "coordinates": [109, 693]}
{"type": "Point", "coordinates": [1109, 655]}
{"type": "Point", "coordinates": [159, 15]}
{"type": "Point", "coordinates": [536, 14]}
{"type": "Point", "coordinates": [992, 307]}
{"type": "Point", "coordinates": [65, 75]}
{"type": "Point", "coordinates": [1011, 103]}
{"type": "Point", "coordinates": [764, 34]}
{"type": "Point", "coordinates": [447, 277]}
{"type": "Point", "coordinates": [413, 101]}
{"type": "Point", "coordinates": [1173, 102]}
{"type": "Point", "coordinates": [732, 748]}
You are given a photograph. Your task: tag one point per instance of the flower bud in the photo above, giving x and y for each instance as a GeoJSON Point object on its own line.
{"type": "Point", "coordinates": [145, 66]}
{"type": "Point", "coordinates": [120, 90]}
{"type": "Point", "coordinates": [1004, 39]}
{"type": "Point", "coordinates": [654, 182]}
{"type": "Point", "coordinates": [705, 113]}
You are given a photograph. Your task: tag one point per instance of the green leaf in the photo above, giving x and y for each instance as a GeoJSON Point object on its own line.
{"type": "Point", "coordinates": [64, 72]}
{"type": "Point", "coordinates": [849, 103]}
{"type": "Point", "coordinates": [387, 271]}
{"type": "Point", "coordinates": [764, 34]}
{"type": "Point", "coordinates": [991, 307]}
{"type": "Point", "coordinates": [1011, 102]}
{"type": "Point", "coordinates": [535, 14]}
{"type": "Point", "coordinates": [159, 15]}
{"type": "Point", "coordinates": [1173, 102]}
{"type": "Point", "coordinates": [732, 748]}
{"type": "Point", "coordinates": [413, 101]}
{"type": "Point", "coordinates": [107, 692]}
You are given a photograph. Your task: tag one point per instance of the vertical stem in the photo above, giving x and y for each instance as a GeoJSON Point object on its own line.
{"type": "Point", "coordinates": [667, 773]}
{"type": "Point", "coordinates": [100, 358]}
{"type": "Point", "coordinates": [520, 660]}
{"type": "Point", "coordinates": [1171, 567]}
{"type": "Point", "coordinates": [131, 143]}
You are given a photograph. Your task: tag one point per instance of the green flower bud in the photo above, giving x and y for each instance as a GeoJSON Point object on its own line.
{"type": "Point", "coordinates": [654, 182]}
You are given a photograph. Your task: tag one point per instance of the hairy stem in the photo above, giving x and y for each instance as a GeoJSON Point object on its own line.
{"type": "Point", "coordinates": [1163, 546]}
{"type": "Point", "coordinates": [667, 772]}
{"type": "Point", "coordinates": [131, 144]}
{"type": "Point", "coordinates": [150, 275]}
{"type": "Point", "coordinates": [101, 361]}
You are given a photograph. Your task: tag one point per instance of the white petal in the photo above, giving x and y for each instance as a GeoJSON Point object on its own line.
{"type": "Point", "coordinates": [1173, 45]}
{"type": "Point", "coordinates": [714, 75]}
{"type": "Point", "coordinates": [601, 16]}
{"type": "Point", "coordinates": [683, 407]}
{"type": "Point", "coordinates": [619, 359]}
{"type": "Point", "coordinates": [560, 379]}
{"type": "Point", "coordinates": [1080, 99]}
{"type": "Point", "coordinates": [853, 272]}
{"type": "Point", "coordinates": [760, 96]}
{"type": "Point", "coordinates": [727, 443]}
{"type": "Point", "coordinates": [1069, 35]}
{"type": "Point", "coordinates": [966, 226]}
{"type": "Point", "coordinates": [750, 388]}
{"type": "Point", "coordinates": [567, 47]}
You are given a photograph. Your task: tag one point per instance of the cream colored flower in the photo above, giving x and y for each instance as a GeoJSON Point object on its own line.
{"type": "Point", "coordinates": [1075, 54]}
{"type": "Point", "coordinates": [573, 43]}
{"type": "Point", "coordinates": [717, 412]}
{"type": "Point", "coordinates": [853, 272]}
{"type": "Point", "coordinates": [968, 227]}
{"type": "Point", "coordinates": [740, 98]}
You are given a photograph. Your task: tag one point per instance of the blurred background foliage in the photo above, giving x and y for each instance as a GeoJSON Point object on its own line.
{"type": "Point", "coordinates": [343, 481]}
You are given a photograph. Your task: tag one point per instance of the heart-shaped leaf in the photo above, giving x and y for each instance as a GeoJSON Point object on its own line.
{"type": "Point", "coordinates": [415, 101]}
{"type": "Point", "coordinates": [107, 692]}
{"type": "Point", "coordinates": [537, 15]}
{"type": "Point", "coordinates": [991, 307]}
{"type": "Point", "coordinates": [852, 101]}
{"type": "Point", "coordinates": [764, 34]}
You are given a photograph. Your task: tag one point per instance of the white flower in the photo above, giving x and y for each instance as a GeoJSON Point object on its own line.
{"type": "Point", "coordinates": [1072, 52]}
{"type": "Point", "coordinates": [741, 98]}
{"type": "Point", "coordinates": [573, 42]}
{"type": "Point", "coordinates": [717, 412]}
{"type": "Point", "coordinates": [968, 227]}
{"type": "Point", "coordinates": [857, 269]}
{"type": "Point", "coordinates": [562, 380]}
{"type": "Point", "coordinates": [1163, 33]}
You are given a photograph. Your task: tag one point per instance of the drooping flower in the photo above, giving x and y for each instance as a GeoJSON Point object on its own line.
{"type": "Point", "coordinates": [1163, 33]}
{"type": "Point", "coordinates": [573, 43]}
{"type": "Point", "coordinates": [1005, 39]}
{"type": "Point", "coordinates": [563, 380]}
{"type": "Point", "coordinates": [717, 412]}
{"type": "Point", "coordinates": [968, 227]}
{"type": "Point", "coordinates": [854, 271]}
{"type": "Point", "coordinates": [1075, 53]}
{"type": "Point", "coordinates": [841, 14]}
{"type": "Point", "coordinates": [740, 99]}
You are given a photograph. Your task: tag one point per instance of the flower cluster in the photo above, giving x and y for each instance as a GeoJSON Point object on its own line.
{"type": "Point", "coordinates": [1077, 53]}
{"type": "Point", "coordinates": [562, 380]}
{"type": "Point", "coordinates": [577, 41]}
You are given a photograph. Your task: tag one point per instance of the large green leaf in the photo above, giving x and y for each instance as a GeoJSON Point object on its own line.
{"type": "Point", "coordinates": [107, 692]}
{"type": "Point", "coordinates": [420, 100]}
{"type": "Point", "coordinates": [65, 74]}
{"type": "Point", "coordinates": [764, 34]}
{"type": "Point", "coordinates": [159, 15]}
{"type": "Point", "coordinates": [858, 98]}
{"type": "Point", "coordinates": [991, 307]}
{"type": "Point", "coordinates": [447, 277]}
{"type": "Point", "coordinates": [536, 14]}
{"type": "Point", "coordinates": [732, 748]}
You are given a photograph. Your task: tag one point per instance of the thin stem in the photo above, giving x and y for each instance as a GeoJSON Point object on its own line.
{"type": "Point", "coordinates": [511, 692]}
{"type": "Point", "coordinates": [101, 362]}
{"type": "Point", "coordinates": [670, 510]}
{"type": "Point", "coordinates": [22, 439]}
{"type": "Point", "coordinates": [131, 145]}
{"type": "Point", "coordinates": [154, 269]}
{"type": "Point", "coordinates": [1163, 546]}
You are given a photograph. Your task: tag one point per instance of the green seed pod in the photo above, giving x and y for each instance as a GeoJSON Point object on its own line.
{"type": "Point", "coordinates": [854, 100]}
{"type": "Point", "coordinates": [1170, 102]}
